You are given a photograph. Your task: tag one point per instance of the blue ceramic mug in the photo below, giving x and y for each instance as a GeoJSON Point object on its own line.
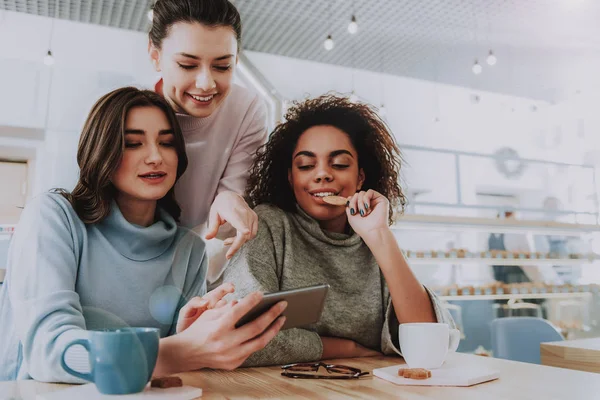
{"type": "Point", "coordinates": [121, 360]}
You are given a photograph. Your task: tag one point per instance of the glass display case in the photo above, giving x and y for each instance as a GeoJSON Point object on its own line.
{"type": "Point", "coordinates": [546, 219]}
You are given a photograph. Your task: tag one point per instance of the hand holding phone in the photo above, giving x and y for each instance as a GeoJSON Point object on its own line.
{"type": "Point", "coordinates": [305, 306]}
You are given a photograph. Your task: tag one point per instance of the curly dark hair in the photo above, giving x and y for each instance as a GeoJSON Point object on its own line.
{"type": "Point", "coordinates": [378, 153]}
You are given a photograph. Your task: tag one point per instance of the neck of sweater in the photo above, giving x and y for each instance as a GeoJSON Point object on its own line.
{"type": "Point", "coordinates": [136, 242]}
{"type": "Point", "coordinates": [312, 227]}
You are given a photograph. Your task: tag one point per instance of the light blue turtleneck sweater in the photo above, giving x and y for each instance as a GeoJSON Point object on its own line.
{"type": "Point", "coordinates": [65, 277]}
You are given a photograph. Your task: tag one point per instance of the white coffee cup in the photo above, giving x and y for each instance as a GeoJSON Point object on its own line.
{"type": "Point", "coordinates": [426, 345]}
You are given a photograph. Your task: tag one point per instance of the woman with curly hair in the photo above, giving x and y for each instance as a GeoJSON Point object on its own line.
{"type": "Point", "coordinates": [330, 146]}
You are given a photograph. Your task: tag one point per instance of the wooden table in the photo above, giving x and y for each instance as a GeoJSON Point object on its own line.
{"type": "Point", "coordinates": [580, 354]}
{"type": "Point", "coordinates": [517, 381]}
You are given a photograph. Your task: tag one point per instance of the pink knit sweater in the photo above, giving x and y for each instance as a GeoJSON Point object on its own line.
{"type": "Point", "coordinates": [220, 150]}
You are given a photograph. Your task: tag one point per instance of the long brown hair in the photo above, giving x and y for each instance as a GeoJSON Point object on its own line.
{"type": "Point", "coordinates": [378, 153]}
{"type": "Point", "coordinates": [101, 149]}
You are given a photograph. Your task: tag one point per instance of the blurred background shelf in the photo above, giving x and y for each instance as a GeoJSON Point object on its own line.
{"type": "Point", "coordinates": [7, 229]}
{"type": "Point", "coordinates": [585, 295]}
{"type": "Point", "coordinates": [503, 261]}
{"type": "Point", "coordinates": [473, 224]}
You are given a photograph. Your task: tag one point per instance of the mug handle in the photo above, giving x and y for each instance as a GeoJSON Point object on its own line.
{"type": "Point", "coordinates": [454, 340]}
{"type": "Point", "coordinates": [85, 343]}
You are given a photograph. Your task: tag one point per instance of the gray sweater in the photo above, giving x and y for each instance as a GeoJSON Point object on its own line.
{"type": "Point", "coordinates": [291, 251]}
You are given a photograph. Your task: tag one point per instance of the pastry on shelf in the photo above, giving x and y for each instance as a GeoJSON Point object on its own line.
{"type": "Point", "coordinates": [553, 255]}
{"type": "Point", "coordinates": [510, 288]}
{"type": "Point", "coordinates": [568, 325]}
{"type": "Point", "coordinates": [567, 288]}
{"type": "Point", "coordinates": [488, 289]}
{"type": "Point", "coordinates": [461, 253]}
{"type": "Point", "coordinates": [575, 256]}
{"type": "Point", "coordinates": [467, 291]}
{"type": "Point", "coordinates": [525, 288]}
{"type": "Point", "coordinates": [439, 290]}
{"type": "Point", "coordinates": [497, 287]}
{"type": "Point", "coordinates": [453, 290]}
{"type": "Point", "coordinates": [481, 351]}
{"type": "Point", "coordinates": [420, 254]}
{"type": "Point", "coordinates": [538, 287]}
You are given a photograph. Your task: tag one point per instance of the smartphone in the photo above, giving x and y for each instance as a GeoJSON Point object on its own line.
{"type": "Point", "coordinates": [305, 306]}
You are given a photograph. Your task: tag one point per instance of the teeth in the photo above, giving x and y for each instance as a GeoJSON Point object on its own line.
{"type": "Point", "coordinates": [323, 194]}
{"type": "Point", "coordinates": [199, 98]}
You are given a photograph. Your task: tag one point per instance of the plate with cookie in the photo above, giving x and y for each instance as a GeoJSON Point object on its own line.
{"type": "Point", "coordinates": [447, 375]}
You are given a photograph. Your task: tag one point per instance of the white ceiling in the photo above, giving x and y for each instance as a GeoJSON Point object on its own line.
{"type": "Point", "coordinates": [546, 49]}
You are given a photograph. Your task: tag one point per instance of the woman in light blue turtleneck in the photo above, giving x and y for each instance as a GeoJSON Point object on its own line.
{"type": "Point", "coordinates": [110, 254]}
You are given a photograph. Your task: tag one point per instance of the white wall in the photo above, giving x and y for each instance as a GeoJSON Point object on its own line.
{"type": "Point", "coordinates": [90, 61]}
{"type": "Point", "coordinates": [413, 107]}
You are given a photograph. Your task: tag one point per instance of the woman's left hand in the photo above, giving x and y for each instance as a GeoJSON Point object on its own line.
{"type": "Point", "coordinates": [231, 207]}
{"type": "Point", "coordinates": [198, 305]}
{"type": "Point", "coordinates": [368, 212]}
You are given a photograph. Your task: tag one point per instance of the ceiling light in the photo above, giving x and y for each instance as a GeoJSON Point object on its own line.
{"type": "Point", "coordinates": [150, 15]}
{"type": "Point", "coordinates": [49, 59]}
{"type": "Point", "coordinates": [491, 58]}
{"type": "Point", "coordinates": [477, 68]}
{"type": "Point", "coordinates": [353, 26]}
{"type": "Point", "coordinates": [328, 44]}
{"type": "Point", "coordinates": [353, 97]}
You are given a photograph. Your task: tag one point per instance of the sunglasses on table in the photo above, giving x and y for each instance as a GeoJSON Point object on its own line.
{"type": "Point", "coordinates": [303, 371]}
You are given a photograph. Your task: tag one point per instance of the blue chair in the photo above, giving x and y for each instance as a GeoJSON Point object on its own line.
{"type": "Point", "coordinates": [519, 338]}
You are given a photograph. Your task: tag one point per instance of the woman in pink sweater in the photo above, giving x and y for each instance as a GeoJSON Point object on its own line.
{"type": "Point", "coordinates": [194, 45]}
